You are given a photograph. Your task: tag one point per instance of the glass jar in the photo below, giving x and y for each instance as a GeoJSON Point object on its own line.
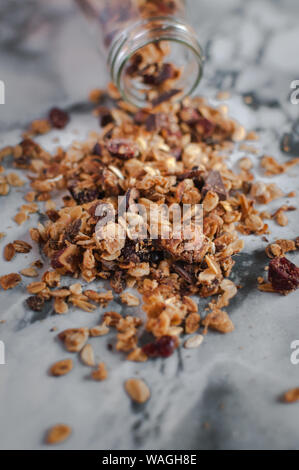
{"type": "Point", "coordinates": [152, 52]}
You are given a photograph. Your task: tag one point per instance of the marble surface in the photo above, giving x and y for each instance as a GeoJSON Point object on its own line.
{"type": "Point", "coordinates": [225, 395]}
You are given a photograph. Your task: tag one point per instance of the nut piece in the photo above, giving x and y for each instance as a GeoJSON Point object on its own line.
{"type": "Point", "coordinates": [137, 390]}
{"type": "Point", "coordinates": [100, 373]}
{"type": "Point", "coordinates": [74, 338]}
{"type": "Point", "coordinates": [58, 433]}
{"type": "Point", "coordinates": [291, 396]}
{"type": "Point", "coordinates": [9, 281]}
{"type": "Point", "coordinates": [193, 342]}
{"type": "Point", "coordinates": [87, 355]}
{"type": "Point", "coordinates": [61, 367]}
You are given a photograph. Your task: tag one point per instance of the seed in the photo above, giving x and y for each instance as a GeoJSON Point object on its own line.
{"type": "Point", "coordinates": [193, 342]}
{"type": "Point", "coordinates": [137, 390]}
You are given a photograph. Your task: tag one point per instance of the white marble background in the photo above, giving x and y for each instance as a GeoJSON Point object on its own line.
{"type": "Point", "coordinates": [224, 395]}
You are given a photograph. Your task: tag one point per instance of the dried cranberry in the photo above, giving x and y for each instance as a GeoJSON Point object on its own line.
{"type": "Point", "coordinates": [35, 302]}
{"type": "Point", "coordinates": [283, 275]}
{"type": "Point", "coordinates": [162, 347]}
{"type": "Point", "coordinates": [58, 118]}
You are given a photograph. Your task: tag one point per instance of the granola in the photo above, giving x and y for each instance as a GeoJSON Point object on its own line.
{"type": "Point", "coordinates": [171, 154]}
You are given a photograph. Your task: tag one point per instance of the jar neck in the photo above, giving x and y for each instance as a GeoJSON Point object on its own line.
{"type": "Point", "coordinates": [177, 33]}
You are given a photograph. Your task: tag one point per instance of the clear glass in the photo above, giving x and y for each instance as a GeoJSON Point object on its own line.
{"type": "Point", "coordinates": [152, 52]}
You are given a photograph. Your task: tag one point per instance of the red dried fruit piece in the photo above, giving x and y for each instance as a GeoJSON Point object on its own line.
{"type": "Point", "coordinates": [123, 148]}
{"type": "Point", "coordinates": [162, 347]}
{"type": "Point", "coordinates": [205, 127]}
{"type": "Point", "coordinates": [283, 275]}
{"type": "Point", "coordinates": [58, 118]}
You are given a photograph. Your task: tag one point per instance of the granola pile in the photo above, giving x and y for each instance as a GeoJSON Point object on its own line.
{"type": "Point", "coordinates": [173, 153]}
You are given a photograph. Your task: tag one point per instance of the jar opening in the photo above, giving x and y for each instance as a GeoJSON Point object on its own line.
{"type": "Point", "coordinates": [156, 56]}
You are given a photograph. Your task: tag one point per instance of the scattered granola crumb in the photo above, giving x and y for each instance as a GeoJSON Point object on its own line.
{"type": "Point", "coordinates": [100, 373]}
{"type": "Point", "coordinates": [20, 217]}
{"type": "Point", "coordinates": [9, 252]}
{"type": "Point", "coordinates": [58, 433]}
{"type": "Point", "coordinates": [223, 95]}
{"type": "Point", "coordinates": [61, 367]}
{"type": "Point", "coordinates": [87, 355]}
{"type": "Point", "coordinates": [9, 281]}
{"type": "Point", "coordinates": [74, 338]}
{"type": "Point", "coordinates": [291, 396]}
{"type": "Point", "coordinates": [137, 390]}
{"type": "Point", "coordinates": [218, 320]}
{"type": "Point", "coordinates": [193, 342]}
